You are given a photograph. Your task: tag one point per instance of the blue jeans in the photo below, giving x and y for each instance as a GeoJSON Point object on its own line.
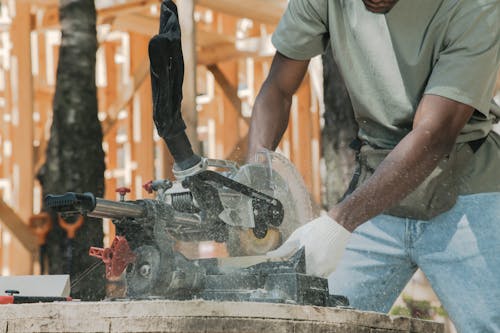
{"type": "Point", "coordinates": [459, 252]}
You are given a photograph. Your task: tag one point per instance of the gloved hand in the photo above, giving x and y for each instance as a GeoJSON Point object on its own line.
{"type": "Point", "coordinates": [324, 241]}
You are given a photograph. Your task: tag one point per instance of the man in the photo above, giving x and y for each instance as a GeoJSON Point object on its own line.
{"type": "Point", "coordinates": [427, 192]}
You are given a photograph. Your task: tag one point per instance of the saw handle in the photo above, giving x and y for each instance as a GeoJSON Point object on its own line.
{"type": "Point", "coordinates": [71, 202]}
{"type": "Point", "coordinates": [88, 204]}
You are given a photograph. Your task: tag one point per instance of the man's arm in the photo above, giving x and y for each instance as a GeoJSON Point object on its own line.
{"type": "Point", "coordinates": [272, 106]}
{"type": "Point", "coordinates": [437, 123]}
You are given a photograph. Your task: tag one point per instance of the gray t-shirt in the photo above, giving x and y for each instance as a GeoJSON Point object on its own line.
{"type": "Point", "coordinates": [449, 48]}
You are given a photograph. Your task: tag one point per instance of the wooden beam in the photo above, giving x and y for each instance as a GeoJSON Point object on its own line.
{"type": "Point", "coordinates": [265, 11]}
{"type": "Point", "coordinates": [126, 94]}
{"type": "Point", "coordinates": [18, 227]}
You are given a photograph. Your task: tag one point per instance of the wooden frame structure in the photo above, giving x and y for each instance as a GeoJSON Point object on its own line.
{"type": "Point", "coordinates": [227, 55]}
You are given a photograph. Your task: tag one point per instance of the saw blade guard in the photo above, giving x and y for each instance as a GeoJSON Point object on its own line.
{"type": "Point", "coordinates": [272, 174]}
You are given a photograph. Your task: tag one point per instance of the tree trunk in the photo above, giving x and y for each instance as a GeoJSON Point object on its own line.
{"type": "Point", "coordinates": [74, 157]}
{"type": "Point", "coordinates": [339, 131]}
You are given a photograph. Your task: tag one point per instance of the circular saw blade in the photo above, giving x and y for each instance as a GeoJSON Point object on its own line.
{"type": "Point", "coordinates": [275, 175]}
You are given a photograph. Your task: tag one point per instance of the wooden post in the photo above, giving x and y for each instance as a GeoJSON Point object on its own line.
{"type": "Point", "coordinates": [22, 127]}
{"type": "Point", "coordinates": [189, 111]}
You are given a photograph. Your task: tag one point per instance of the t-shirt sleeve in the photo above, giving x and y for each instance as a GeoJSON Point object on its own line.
{"type": "Point", "coordinates": [468, 63]}
{"type": "Point", "coordinates": [302, 31]}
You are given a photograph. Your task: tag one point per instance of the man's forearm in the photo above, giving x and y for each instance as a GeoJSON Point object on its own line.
{"type": "Point", "coordinates": [436, 126]}
{"type": "Point", "coordinates": [269, 120]}
{"type": "Point", "coordinates": [272, 106]}
{"type": "Point", "coordinates": [406, 167]}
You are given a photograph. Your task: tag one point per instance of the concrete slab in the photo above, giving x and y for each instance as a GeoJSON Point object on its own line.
{"type": "Point", "coordinates": [198, 317]}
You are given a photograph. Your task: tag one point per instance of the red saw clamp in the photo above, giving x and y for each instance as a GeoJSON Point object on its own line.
{"type": "Point", "coordinates": [116, 257]}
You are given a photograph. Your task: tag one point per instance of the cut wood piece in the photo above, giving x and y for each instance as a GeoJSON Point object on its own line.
{"type": "Point", "coordinates": [265, 11]}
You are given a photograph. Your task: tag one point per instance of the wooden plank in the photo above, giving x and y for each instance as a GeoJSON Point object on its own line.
{"type": "Point", "coordinates": [265, 11]}
{"type": "Point", "coordinates": [18, 227]}
{"type": "Point", "coordinates": [198, 316]}
{"type": "Point", "coordinates": [189, 110]}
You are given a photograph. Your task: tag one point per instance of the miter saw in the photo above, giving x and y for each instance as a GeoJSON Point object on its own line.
{"type": "Point", "coordinates": [251, 208]}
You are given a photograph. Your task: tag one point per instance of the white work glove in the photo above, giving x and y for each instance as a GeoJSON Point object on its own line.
{"type": "Point", "coordinates": [324, 241]}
